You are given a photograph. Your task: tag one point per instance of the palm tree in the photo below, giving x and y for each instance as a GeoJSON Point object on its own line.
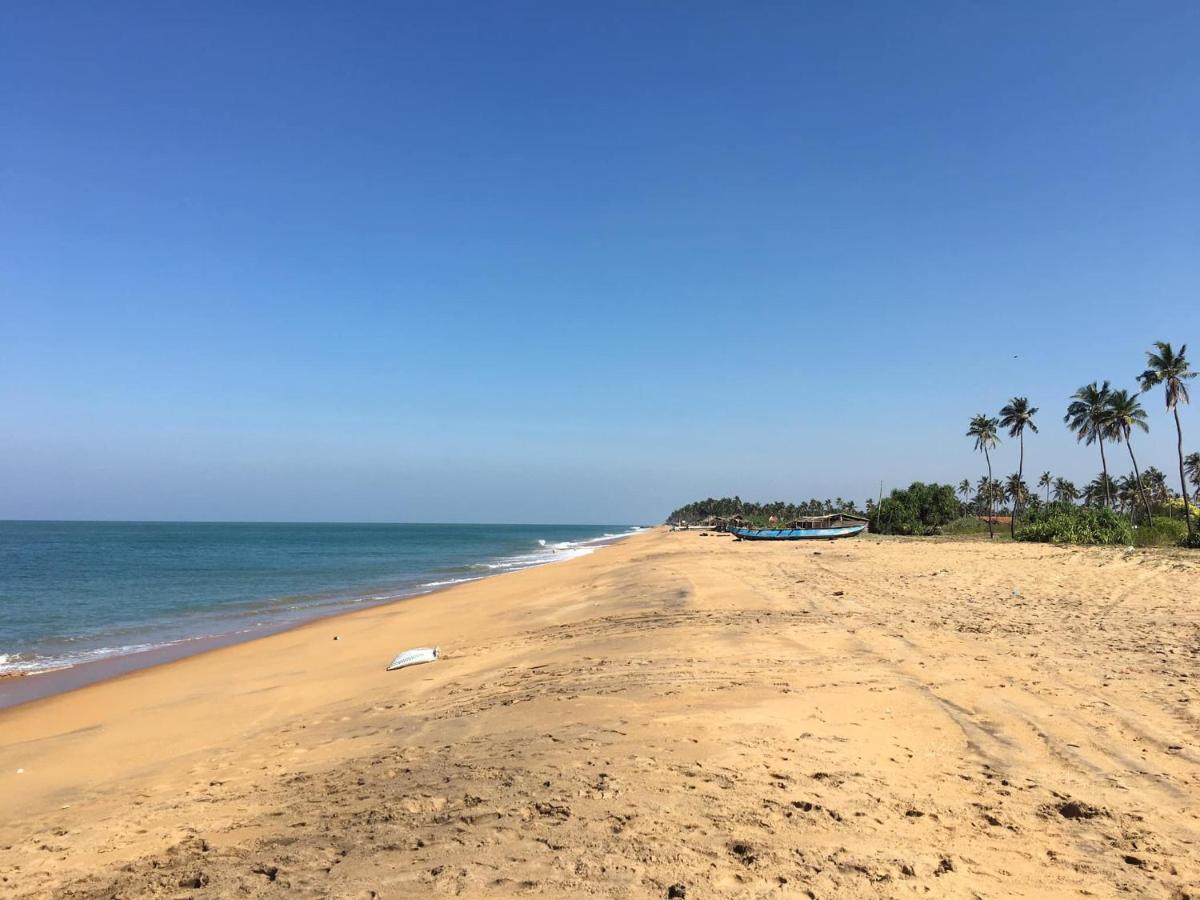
{"type": "Point", "coordinates": [989, 493]}
{"type": "Point", "coordinates": [1099, 491]}
{"type": "Point", "coordinates": [1044, 482]}
{"type": "Point", "coordinates": [983, 429]}
{"type": "Point", "coordinates": [1064, 490]}
{"type": "Point", "coordinates": [995, 495]}
{"type": "Point", "coordinates": [1155, 483]}
{"type": "Point", "coordinates": [1124, 413]}
{"type": "Point", "coordinates": [1127, 493]}
{"type": "Point", "coordinates": [1166, 367]}
{"type": "Point", "coordinates": [1191, 462]}
{"type": "Point", "coordinates": [1016, 490]}
{"type": "Point", "coordinates": [1086, 416]}
{"type": "Point", "coordinates": [964, 491]}
{"type": "Point", "coordinates": [1016, 416]}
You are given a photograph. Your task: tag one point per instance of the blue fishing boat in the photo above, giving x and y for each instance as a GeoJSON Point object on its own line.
{"type": "Point", "coordinates": [817, 528]}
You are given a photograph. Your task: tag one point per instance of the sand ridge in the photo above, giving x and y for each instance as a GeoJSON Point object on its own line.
{"type": "Point", "coordinates": [676, 715]}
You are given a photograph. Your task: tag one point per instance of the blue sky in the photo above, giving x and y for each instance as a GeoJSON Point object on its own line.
{"type": "Point", "coordinates": [571, 262]}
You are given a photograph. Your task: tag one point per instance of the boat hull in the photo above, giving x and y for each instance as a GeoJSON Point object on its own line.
{"type": "Point", "coordinates": [797, 534]}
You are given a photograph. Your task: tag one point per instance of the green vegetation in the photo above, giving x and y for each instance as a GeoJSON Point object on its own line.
{"type": "Point", "coordinates": [1136, 508]}
{"type": "Point", "coordinates": [1191, 463]}
{"type": "Point", "coordinates": [1065, 523]}
{"type": "Point", "coordinates": [1125, 413]}
{"type": "Point", "coordinates": [964, 526]}
{"type": "Point", "coordinates": [758, 514]}
{"type": "Point", "coordinates": [1045, 482]}
{"type": "Point", "coordinates": [1065, 490]}
{"type": "Point", "coordinates": [983, 429]}
{"type": "Point", "coordinates": [1096, 414]}
{"type": "Point", "coordinates": [1162, 533]}
{"type": "Point", "coordinates": [1173, 506]}
{"type": "Point", "coordinates": [919, 509]}
{"type": "Point", "coordinates": [1017, 415]}
{"type": "Point", "coordinates": [1170, 369]}
{"type": "Point", "coordinates": [1087, 416]}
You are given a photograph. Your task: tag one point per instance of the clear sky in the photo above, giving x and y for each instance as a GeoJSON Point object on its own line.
{"type": "Point", "coordinates": [575, 262]}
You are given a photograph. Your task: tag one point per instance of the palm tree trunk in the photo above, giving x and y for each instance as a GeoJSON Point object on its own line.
{"type": "Point", "coordinates": [1012, 523]}
{"type": "Point", "coordinates": [1104, 469]}
{"type": "Point", "coordinates": [1187, 509]}
{"type": "Point", "coordinates": [1138, 476]}
{"type": "Point", "coordinates": [991, 501]}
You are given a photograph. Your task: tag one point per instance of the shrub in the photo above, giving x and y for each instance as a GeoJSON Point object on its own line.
{"type": "Point", "coordinates": [1163, 533]}
{"type": "Point", "coordinates": [1192, 543]}
{"type": "Point", "coordinates": [1065, 523]}
{"type": "Point", "coordinates": [918, 509]}
{"type": "Point", "coordinates": [1174, 507]}
{"type": "Point", "coordinates": [965, 525]}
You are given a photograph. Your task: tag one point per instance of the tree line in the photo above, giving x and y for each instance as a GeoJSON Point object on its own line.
{"type": "Point", "coordinates": [758, 513]}
{"type": "Point", "coordinates": [1096, 414]}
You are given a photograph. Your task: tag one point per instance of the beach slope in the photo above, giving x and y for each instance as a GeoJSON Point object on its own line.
{"type": "Point", "coordinates": [675, 715]}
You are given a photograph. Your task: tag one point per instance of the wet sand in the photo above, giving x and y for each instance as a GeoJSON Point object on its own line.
{"type": "Point", "coordinates": [678, 713]}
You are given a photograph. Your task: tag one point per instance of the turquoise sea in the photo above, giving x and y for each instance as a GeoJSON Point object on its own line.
{"type": "Point", "coordinates": [76, 592]}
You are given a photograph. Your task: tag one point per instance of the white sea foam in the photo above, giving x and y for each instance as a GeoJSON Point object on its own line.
{"type": "Point", "coordinates": [551, 552]}
{"type": "Point", "coordinates": [34, 663]}
{"type": "Point", "coordinates": [431, 584]}
{"type": "Point", "coordinates": [556, 552]}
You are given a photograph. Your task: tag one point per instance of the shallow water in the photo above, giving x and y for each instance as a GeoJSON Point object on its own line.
{"type": "Point", "coordinates": [75, 592]}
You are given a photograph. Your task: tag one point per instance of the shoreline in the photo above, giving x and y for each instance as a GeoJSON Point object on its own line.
{"type": "Point", "coordinates": [21, 688]}
{"type": "Point", "coordinates": [152, 712]}
{"type": "Point", "coordinates": [742, 719]}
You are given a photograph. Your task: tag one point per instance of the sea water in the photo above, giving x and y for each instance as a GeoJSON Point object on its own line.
{"type": "Point", "coordinates": [76, 592]}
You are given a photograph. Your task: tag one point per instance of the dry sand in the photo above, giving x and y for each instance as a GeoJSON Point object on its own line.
{"type": "Point", "coordinates": [867, 718]}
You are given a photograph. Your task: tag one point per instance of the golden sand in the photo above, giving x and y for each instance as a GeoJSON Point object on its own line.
{"type": "Point", "coordinates": [675, 714]}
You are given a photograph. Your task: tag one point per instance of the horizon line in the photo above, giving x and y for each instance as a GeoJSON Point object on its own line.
{"type": "Point", "coordinates": [4, 521]}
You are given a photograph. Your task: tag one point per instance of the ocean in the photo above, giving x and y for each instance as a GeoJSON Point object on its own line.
{"type": "Point", "coordinates": [78, 592]}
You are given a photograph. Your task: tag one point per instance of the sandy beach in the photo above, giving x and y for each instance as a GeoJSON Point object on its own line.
{"type": "Point", "coordinates": [676, 715]}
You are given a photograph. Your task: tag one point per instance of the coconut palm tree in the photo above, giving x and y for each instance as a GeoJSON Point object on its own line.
{"type": "Point", "coordinates": [1086, 416]}
{"type": "Point", "coordinates": [1123, 414]}
{"type": "Point", "coordinates": [995, 495]}
{"type": "Point", "coordinates": [1191, 462]}
{"type": "Point", "coordinates": [1155, 483]}
{"type": "Point", "coordinates": [1170, 369]}
{"type": "Point", "coordinates": [983, 429]}
{"type": "Point", "coordinates": [1016, 490]}
{"type": "Point", "coordinates": [1127, 493]}
{"type": "Point", "coordinates": [1065, 490]}
{"type": "Point", "coordinates": [1100, 491]}
{"type": "Point", "coordinates": [1044, 482]}
{"type": "Point", "coordinates": [989, 493]}
{"type": "Point", "coordinates": [1016, 416]}
{"type": "Point", "coordinates": [964, 491]}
